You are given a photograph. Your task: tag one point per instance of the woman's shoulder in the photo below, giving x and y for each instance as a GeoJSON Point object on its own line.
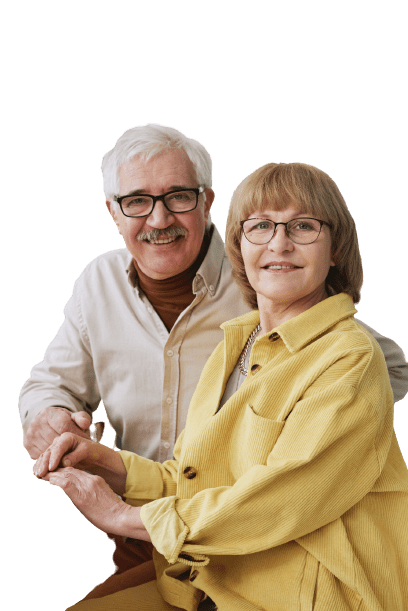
{"type": "Point", "coordinates": [351, 333]}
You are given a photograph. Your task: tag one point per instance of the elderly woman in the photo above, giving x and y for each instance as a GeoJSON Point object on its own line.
{"type": "Point", "coordinates": [288, 489]}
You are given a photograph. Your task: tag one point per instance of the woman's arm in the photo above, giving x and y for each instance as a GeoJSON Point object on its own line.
{"type": "Point", "coordinates": [330, 452]}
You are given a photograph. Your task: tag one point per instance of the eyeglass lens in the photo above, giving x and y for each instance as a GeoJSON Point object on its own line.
{"type": "Point", "coordinates": [177, 201]}
{"type": "Point", "coordinates": [301, 231]}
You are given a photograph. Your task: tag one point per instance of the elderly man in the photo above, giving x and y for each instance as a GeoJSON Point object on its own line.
{"type": "Point", "coordinates": [143, 320]}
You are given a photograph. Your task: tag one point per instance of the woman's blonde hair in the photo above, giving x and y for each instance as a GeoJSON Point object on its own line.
{"type": "Point", "coordinates": [276, 186]}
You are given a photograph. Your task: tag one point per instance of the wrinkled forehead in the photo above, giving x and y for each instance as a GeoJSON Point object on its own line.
{"type": "Point", "coordinates": [168, 168]}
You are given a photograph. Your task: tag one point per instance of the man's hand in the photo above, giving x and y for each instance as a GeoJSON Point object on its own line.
{"type": "Point", "coordinates": [99, 504]}
{"type": "Point", "coordinates": [51, 423]}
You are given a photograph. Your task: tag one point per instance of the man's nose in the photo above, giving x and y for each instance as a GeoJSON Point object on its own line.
{"type": "Point", "coordinates": [160, 217]}
{"type": "Point", "coordinates": [280, 242]}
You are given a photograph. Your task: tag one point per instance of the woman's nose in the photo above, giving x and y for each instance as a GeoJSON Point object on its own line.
{"type": "Point", "coordinates": [280, 242]}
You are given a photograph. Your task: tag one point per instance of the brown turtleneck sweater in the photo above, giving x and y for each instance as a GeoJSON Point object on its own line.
{"type": "Point", "coordinates": [171, 296]}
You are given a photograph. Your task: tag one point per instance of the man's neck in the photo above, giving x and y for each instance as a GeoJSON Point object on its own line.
{"type": "Point", "coordinates": [171, 296]}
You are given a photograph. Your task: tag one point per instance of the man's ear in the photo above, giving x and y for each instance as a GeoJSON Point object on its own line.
{"type": "Point", "coordinates": [209, 198]}
{"type": "Point", "coordinates": [110, 204]}
{"type": "Point", "coordinates": [113, 208]}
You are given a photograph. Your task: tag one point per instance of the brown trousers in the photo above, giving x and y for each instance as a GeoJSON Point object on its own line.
{"type": "Point", "coordinates": [134, 564]}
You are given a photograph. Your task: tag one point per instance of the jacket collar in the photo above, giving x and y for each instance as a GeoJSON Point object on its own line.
{"type": "Point", "coordinates": [301, 329]}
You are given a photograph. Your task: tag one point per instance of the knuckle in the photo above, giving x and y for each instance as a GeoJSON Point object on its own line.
{"type": "Point", "coordinates": [67, 437]}
{"type": "Point", "coordinates": [61, 419]}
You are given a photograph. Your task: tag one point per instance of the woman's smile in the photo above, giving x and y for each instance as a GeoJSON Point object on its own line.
{"type": "Point", "coordinates": [286, 276]}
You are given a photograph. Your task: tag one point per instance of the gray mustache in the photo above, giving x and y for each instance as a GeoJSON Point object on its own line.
{"type": "Point", "coordinates": [160, 233]}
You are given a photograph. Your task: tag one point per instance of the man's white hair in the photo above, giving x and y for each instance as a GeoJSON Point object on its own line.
{"type": "Point", "coordinates": [147, 141]}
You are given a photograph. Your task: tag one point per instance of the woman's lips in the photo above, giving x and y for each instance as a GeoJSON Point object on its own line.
{"type": "Point", "coordinates": [284, 266]}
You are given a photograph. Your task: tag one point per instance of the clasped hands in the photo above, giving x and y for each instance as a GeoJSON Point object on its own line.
{"type": "Point", "coordinates": [95, 494]}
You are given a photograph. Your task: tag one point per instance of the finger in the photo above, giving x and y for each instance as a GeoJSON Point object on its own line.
{"type": "Point", "coordinates": [63, 480]}
{"type": "Point", "coordinates": [76, 484]}
{"type": "Point", "coordinates": [51, 458]}
{"type": "Point", "coordinates": [37, 440]}
{"type": "Point", "coordinates": [41, 466]}
{"type": "Point", "coordinates": [70, 450]}
{"type": "Point", "coordinates": [79, 452]}
{"type": "Point", "coordinates": [44, 428]}
{"type": "Point", "coordinates": [60, 447]}
{"type": "Point", "coordinates": [82, 420]}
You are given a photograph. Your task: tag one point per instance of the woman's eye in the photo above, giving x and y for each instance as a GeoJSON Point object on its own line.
{"type": "Point", "coordinates": [303, 226]}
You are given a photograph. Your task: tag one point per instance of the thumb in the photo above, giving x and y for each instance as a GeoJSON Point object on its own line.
{"type": "Point", "coordinates": [82, 420]}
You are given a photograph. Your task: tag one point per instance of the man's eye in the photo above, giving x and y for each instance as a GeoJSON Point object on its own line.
{"type": "Point", "coordinates": [180, 196]}
{"type": "Point", "coordinates": [135, 201]}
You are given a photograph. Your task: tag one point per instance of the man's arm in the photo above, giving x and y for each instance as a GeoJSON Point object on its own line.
{"type": "Point", "coordinates": [395, 360]}
{"type": "Point", "coordinates": [62, 391]}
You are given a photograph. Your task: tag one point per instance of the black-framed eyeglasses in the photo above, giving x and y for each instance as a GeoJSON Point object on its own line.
{"type": "Point", "coordinates": [300, 231]}
{"type": "Point", "coordinates": [179, 201]}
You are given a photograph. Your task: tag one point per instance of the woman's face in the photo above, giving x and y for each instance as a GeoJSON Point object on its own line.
{"type": "Point", "coordinates": [304, 266]}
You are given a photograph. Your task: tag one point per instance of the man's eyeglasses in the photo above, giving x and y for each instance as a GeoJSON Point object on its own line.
{"type": "Point", "coordinates": [300, 231]}
{"type": "Point", "coordinates": [178, 201]}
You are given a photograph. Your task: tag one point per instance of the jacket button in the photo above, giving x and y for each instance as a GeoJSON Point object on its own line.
{"type": "Point", "coordinates": [274, 337]}
{"type": "Point", "coordinates": [189, 472]}
{"type": "Point", "coordinates": [193, 575]}
{"type": "Point", "coordinates": [255, 368]}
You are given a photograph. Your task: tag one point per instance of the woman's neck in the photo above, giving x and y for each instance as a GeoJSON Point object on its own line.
{"type": "Point", "coordinates": [272, 314]}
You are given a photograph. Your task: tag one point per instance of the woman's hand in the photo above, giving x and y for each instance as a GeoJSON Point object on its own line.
{"type": "Point", "coordinates": [70, 450]}
{"type": "Point", "coordinates": [98, 503]}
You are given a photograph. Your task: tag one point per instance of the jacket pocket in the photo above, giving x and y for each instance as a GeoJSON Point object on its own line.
{"type": "Point", "coordinates": [321, 590]}
{"type": "Point", "coordinates": [258, 437]}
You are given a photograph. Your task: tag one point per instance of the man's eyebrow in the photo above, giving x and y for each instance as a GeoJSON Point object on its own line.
{"type": "Point", "coordinates": [172, 188]}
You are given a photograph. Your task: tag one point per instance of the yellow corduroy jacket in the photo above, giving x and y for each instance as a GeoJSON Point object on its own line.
{"type": "Point", "coordinates": [294, 495]}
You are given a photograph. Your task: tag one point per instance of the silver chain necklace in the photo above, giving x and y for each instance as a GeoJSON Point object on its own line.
{"type": "Point", "coordinates": [250, 341]}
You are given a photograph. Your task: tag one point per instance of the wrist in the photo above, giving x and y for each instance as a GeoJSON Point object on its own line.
{"type": "Point", "coordinates": [130, 523]}
{"type": "Point", "coordinates": [108, 464]}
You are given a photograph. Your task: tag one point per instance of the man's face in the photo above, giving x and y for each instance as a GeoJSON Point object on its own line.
{"type": "Point", "coordinates": [165, 256]}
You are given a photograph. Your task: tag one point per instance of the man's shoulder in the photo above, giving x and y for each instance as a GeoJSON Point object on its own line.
{"type": "Point", "coordinates": [111, 259]}
{"type": "Point", "coordinates": [106, 269]}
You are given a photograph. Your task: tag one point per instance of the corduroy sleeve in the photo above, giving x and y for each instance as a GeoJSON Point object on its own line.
{"type": "Point", "coordinates": [146, 479]}
{"type": "Point", "coordinates": [329, 453]}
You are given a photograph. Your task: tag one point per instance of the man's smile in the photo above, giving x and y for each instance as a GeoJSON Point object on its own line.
{"type": "Point", "coordinates": [158, 237]}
